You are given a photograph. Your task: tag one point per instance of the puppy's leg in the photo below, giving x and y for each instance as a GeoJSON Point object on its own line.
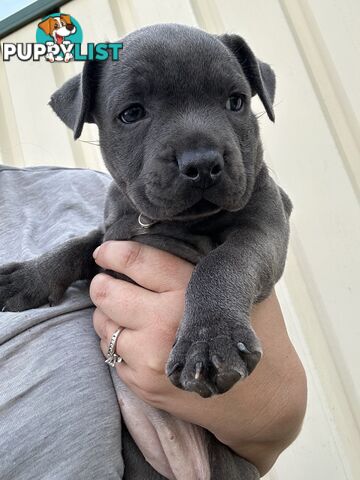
{"type": "Point", "coordinates": [215, 343]}
{"type": "Point", "coordinates": [30, 284]}
{"type": "Point", "coordinates": [136, 467]}
{"type": "Point", "coordinates": [225, 464]}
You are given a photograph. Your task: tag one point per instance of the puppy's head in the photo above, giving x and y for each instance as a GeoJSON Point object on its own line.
{"type": "Point", "coordinates": [58, 27]}
{"type": "Point", "coordinates": [176, 129]}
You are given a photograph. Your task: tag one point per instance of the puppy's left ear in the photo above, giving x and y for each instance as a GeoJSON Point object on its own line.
{"type": "Point", "coordinates": [259, 74]}
{"type": "Point", "coordinates": [73, 101]}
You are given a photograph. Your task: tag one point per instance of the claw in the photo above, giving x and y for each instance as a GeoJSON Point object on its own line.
{"type": "Point", "coordinates": [240, 371]}
{"type": "Point", "coordinates": [199, 367]}
{"type": "Point", "coordinates": [216, 361]}
{"type": "Point", "coordinates": [242, 348]}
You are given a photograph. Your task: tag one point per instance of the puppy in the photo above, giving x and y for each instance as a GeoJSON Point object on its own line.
{"type": "Point", "coordinates": [180, 140]}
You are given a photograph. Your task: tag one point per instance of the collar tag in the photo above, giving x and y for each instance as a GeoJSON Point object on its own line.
{"type": "Point", "coordinates": [144, 223]}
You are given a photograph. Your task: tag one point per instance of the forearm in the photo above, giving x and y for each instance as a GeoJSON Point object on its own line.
{"type": "Point", "coordinates": [261, 416]}
{"type": "Point", "coordinates": [277, 429]}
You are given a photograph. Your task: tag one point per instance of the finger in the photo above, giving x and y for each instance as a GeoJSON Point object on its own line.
{"type": "Point", "coordinates": [126, 346]}
{"type": "Point", "coordinates": [149, 267]}
{"type": "Point", "coordinates": [148, 387]}
{"type": "Point", "coordinates": [130, 344]}
{"type": "Point", "coordinates": [105, 328]}
{"type": "Point", "coordinates": [124, 370]}
{"type": "Point", "coordinates": [103, 325]}
{"type": "Point", "coordinates": [104, 346]}
{"type": "Point", "coordinates": [126, 304]}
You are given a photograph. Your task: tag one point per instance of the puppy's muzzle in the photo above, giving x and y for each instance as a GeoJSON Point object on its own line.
{"type": "Point", "coordinates": [202, 168]}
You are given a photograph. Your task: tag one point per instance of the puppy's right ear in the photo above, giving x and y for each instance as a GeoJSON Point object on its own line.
{"type": "Point", "coordinates": [73, 102]}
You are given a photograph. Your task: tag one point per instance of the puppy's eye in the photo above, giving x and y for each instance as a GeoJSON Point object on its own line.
{"type": "Point", "coordinates": [132, 114]}
{"type": "Point", "coordinates": [235, 103]}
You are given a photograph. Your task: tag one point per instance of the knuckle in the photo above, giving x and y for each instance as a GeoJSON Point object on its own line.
{"type": "Point", "coordinates": [104, 251]}
{"type": "Point", "coordinates": [155, 367]}
{"type": "Point", "coordinates": [99, 288]}
{"type": "Point", "coordinates": [131, 254]}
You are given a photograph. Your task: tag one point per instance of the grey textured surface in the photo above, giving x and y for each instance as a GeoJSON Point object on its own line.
{"type": "Point", "coordinates": [59, 416]}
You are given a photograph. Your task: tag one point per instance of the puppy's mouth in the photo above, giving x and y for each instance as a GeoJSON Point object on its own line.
{"type": "Point", "coordinates": [203, 208]}
{"type": "Point", "coordinates": [155, 211]}
{"type": "Point", "coordinates": [59, 38]}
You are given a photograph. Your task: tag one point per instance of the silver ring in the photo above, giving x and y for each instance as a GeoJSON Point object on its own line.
{"type": "Point", "coordinates": [112, 357]}
{"type": "Point", "coordinates": [142, 223]}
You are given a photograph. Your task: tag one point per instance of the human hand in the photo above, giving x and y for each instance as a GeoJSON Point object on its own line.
{"type": "Point", "coordinates": [149, 312]}
{"type": "Point", "coordinates": [258, 417]}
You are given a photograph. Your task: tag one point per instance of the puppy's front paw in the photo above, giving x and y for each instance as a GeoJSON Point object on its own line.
{"type": "Point", "coordinates": [23, 286]}
{"type": "Point", "coordinates": [208, 364]}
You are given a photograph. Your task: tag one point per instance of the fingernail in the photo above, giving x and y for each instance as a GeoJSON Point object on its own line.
{"type": "Point", "coordinates": [96, 251]}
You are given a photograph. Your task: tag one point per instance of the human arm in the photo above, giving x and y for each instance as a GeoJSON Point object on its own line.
{"type": "Point", "coordinates": [258, 417]}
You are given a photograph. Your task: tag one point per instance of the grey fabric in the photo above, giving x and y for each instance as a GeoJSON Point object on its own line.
{"type": "Point", "coordinates": [59, 416]}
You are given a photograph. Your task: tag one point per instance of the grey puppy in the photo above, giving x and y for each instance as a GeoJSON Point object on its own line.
{"type": "Point", "coordinates": [180, 140]}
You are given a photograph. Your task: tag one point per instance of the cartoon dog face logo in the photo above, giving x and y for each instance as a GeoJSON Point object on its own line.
{"type": "Point", "coordinates": [58, 27]}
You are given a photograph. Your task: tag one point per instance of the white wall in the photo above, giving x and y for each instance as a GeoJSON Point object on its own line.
{"type": "Point", "coordinates": [314, 152]}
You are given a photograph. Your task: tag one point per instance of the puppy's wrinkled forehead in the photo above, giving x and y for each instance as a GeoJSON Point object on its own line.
{"type": "Point", "coordinates": [175, 59]}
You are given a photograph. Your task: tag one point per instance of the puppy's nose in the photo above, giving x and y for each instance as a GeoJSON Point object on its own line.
{"type": "Point", "coordinates": [202, 167]}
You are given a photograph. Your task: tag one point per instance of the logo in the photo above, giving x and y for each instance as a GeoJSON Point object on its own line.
{"type": "Point", "coordinates": [59, 39]}
{"type": "Point", "coordinates": [59, 32]}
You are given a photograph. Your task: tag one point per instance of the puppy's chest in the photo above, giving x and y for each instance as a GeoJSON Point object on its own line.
{"type": "Point", "coordinates": [185, 241]}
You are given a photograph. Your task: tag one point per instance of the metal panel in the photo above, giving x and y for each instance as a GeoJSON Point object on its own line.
{"type": "Point", "coordinates": [330, 46]}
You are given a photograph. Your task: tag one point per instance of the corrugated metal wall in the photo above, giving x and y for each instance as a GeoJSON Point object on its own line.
{"type": "Point", "coordinates": [313, 151]}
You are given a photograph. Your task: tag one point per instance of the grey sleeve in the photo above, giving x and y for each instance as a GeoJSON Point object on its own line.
{"type": "Point", "coordinates": [59, 416]}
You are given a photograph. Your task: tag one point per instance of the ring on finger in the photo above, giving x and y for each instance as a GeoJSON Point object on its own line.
{"type": "Point", "coordinates": [112, 358]}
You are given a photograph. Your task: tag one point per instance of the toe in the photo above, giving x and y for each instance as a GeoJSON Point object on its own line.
{"type": "Point", "coordinates": [225, 380]}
